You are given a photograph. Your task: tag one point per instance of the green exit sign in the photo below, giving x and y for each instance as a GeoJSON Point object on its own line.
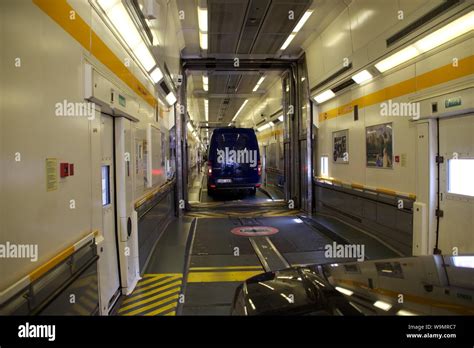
{"type": "Point", "coordinates": [122, 100]}
{"type": "Point", "coordinates": [452, 102]}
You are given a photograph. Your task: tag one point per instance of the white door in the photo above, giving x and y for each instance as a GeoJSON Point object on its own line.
{"type": "Point", "coordinates": [110, 287]}
{"type": "Point", "coordinates": [456, 141]}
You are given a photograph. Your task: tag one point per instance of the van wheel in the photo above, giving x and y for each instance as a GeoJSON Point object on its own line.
{"type": "Point", "coordinates": [253, 191]}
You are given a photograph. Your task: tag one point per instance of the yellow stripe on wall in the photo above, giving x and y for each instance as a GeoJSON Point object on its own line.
{"type": "Point", "coordinates": [59, 11]}
{"type": "Point", "coordinates": [429, 79]}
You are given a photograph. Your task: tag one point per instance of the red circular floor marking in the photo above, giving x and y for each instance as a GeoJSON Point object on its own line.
{"type": "Point", "coordinates": [254, 231]}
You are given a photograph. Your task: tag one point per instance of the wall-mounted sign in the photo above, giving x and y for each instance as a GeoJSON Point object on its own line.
{"type": "Point", "coordinates": [51, 174]}
{"type": "Point", "coordinates": [452, 102]}
{"type": "Point", "coordinates": [122, 100]}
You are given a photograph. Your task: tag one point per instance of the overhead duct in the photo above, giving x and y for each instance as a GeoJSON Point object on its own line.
{"type": "Point", "coordinates": [436, 12]}
{"type": "Point", "coordinates": [332, 77]}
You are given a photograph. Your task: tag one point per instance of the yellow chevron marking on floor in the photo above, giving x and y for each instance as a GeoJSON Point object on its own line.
{"type": "Point", "coordinates": [151, 292]}
{"type": "Point", "coordinates": [151, 280]}
{"type": "Point", "coordinates": [225, 268]}
{"type": "Point", "coordinates": [87, 302]}
{"type": "Point", "coordinates": [155, 304]}
{"type": "Point", "coordinates": [78, 309]}
{"type": "Point", "coordinates": [91, 293]}
{"type": "Point", "coordinates": [141, 295]}
{"type": "Point", "coordinates": [231, 276]}
{"type": "Point", "coordinates": [152, 299]}
{"type": "Point", "coordinates": [170, 313]}
{"type": "Point", "coordinates": [162, 309]}
{"type": "Point", "coordinates": [151, 286]}
{"type": "Point", "coordinates": [154, 275]}
{"type": "Point", "coordinates": [158, 291]}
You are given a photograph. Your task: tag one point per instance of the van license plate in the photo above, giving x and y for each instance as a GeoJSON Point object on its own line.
{"type": "Point", "coordinates": [224, 181]}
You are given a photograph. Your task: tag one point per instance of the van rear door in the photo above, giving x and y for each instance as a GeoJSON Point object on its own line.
{"type": "Point", "coordinates": [236, 156]}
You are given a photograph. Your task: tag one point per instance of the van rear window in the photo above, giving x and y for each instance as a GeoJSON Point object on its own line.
{"type": "Point", "coordinates": [235, 141]}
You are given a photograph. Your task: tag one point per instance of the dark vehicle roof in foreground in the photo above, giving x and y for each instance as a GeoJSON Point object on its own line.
{"type": "Point", "coordinates": [294, 291]}
{"type": "Point", "coordinates": [330, 288]}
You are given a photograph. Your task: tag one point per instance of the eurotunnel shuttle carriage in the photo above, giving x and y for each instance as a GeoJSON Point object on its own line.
{"type": "Point", "coordinates": [245, 157]}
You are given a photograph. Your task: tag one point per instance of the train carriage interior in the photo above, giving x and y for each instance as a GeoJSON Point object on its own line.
{"type": "Point", "coordinates": [237, 158]}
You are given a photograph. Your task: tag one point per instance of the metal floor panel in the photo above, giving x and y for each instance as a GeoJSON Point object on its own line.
{"type": "Point", "coordinates": [294, 237]}
{"type": "Point", "coordinates": [224, 260]}
{"type": "Point", "coordinates": [213, 237]}
{"type": "Point", "coordinates": [170, 251]}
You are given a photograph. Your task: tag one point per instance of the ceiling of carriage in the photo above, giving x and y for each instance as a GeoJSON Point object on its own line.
{"type": "Point", "coordinates": [245, 29]}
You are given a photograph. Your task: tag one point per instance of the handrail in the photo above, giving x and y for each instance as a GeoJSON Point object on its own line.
{"type": "Point", "coordinates": [151, 194]}
{"type": "Point", "coordinates": [38, 272]}
{"type": "Point", "coordinates": [357, 186]}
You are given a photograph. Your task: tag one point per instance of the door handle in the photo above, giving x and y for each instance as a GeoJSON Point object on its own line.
{"type": "Point", "coordinates": [129, 227]}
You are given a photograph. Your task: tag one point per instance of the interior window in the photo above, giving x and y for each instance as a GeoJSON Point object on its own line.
{"type": "Point", "coordinates": [460, 174]}
{"type": "Point", "coordinates": [105, 185]}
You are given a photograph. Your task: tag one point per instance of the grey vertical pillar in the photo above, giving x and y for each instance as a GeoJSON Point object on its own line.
{"type": "Point", "coordinates": [303, 83]}
{"type": "Point", "coordinates": [180, 115]}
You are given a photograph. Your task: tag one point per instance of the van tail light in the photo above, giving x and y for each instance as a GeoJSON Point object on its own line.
{"type": "Point", "coordinates": [209, 168]}
{"type": "Point", "coordinates": [259, 168]}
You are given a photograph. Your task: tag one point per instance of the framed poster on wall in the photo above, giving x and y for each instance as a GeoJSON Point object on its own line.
{"type": "Point", "coordinates": [379, 146]}
{"type": "Point", "coordinates": [340, 146]}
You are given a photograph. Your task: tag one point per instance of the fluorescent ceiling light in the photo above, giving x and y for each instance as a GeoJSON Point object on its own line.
{"type": "Point", "coordinates": [206, 109]}
{"type": "Point", "coordinates": [288, 41]}
{"type": "Point", "coordinates": [271, 124]}
{"type": "Point", "coordinates": [383, 305]}
{"type": "Point", "coordinates": [361, 77]}
{"type": "Point", "coordinates": [190, 127]}
{"type": "Point", "coordinates": [257, 86]}
{"type": "Point", "coordinates": [203, 40]}
{"type": "Point", "coordinates": [156, 75]}
{"type": "Point", "coordinates": [396, 59]}
{"type": "Point", "coordinates": [262, 128]}
{"type": "Point", "coordinates": [445, 34]}
{"type": "Point", "coordinates": [205, 82]}
{"type": "Point", "coordinates": [326, 95]}
{"type": "Point", "coordinates": [240, 109]}
{"type": "Point", "coordinates": [302, 21]}
{"type": "Point", "coordinates": [171, 98]}
{"type": "Point", "coordinates": [125, 27]}
{"type": "Point", "coordinates": [405, 312]}
{"type": "Point", "coordinates": [297, 28]}
{"type": "Point", "coordinates": [202, 19]}
{"type": "Point", "coordinates": [280, 118]}
{"type": "Point", "coordinates": [344, 291]}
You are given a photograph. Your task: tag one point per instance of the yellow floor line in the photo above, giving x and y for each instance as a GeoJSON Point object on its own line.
{"type": "Point", "coordinates": [153, 305]}
{"type": "Point", "coordinates": [224, 268]}
{"type": "Point", "coordinates": [171, 313]}
{"type": "Point", "coordinates": [139, 290]}
{"type": "Point", "coordinates": [150, 299]}
{"type": "Point", "coordinates": [162, 309]}
{"type": "Point", "coordinates": [134, 297]}
{"type": "Point", "coordinates": [206, 277]}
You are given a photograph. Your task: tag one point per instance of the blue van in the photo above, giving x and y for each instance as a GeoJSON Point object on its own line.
{"type": "Point", "coordinates": [233, 160]}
